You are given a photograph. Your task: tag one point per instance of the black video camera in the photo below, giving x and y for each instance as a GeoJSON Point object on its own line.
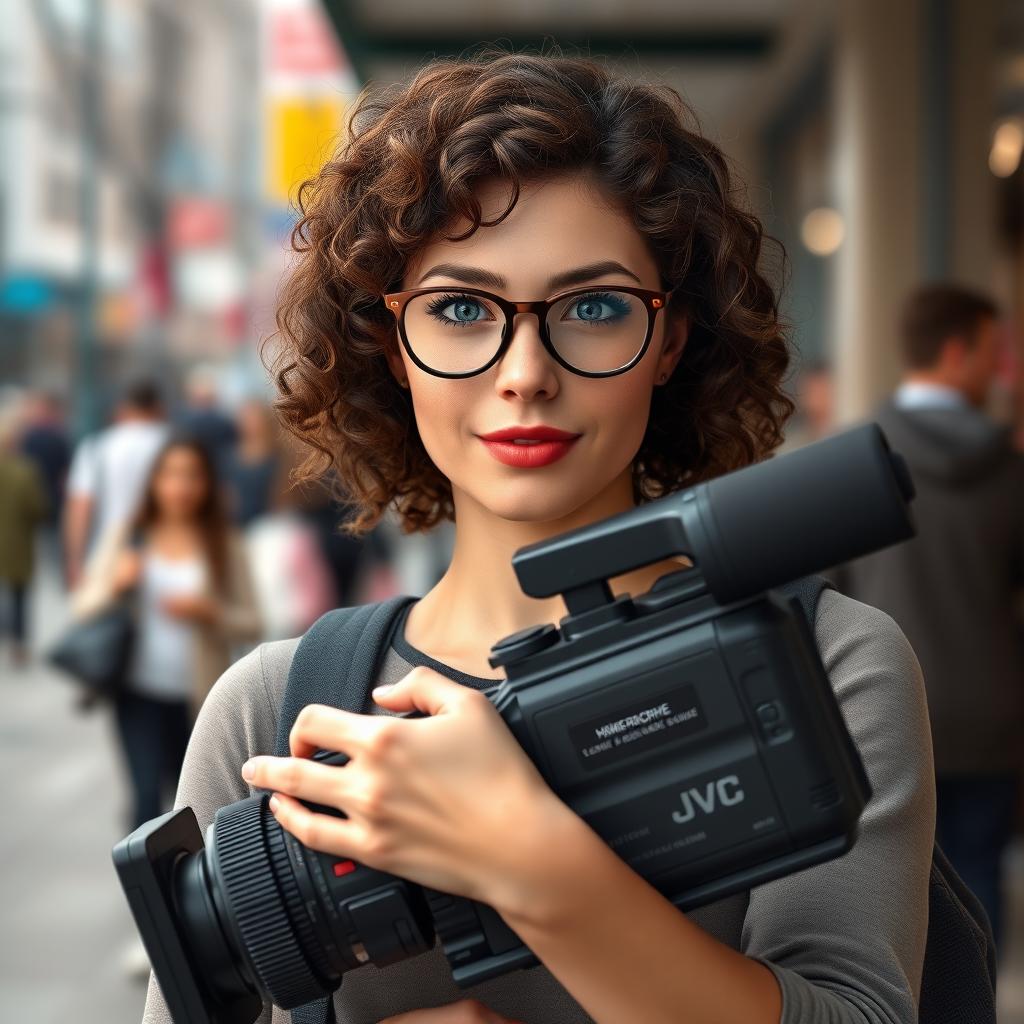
{"type": "Point", "coordinates": [692, 726]}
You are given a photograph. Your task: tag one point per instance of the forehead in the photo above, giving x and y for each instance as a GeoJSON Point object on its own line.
{"type": "Point", "coordinates": [557, 224]}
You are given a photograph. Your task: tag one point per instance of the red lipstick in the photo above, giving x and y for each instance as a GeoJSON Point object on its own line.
{"type": "Point", "coordinates": [528, 447]}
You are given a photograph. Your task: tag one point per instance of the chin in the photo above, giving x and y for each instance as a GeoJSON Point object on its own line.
{"type": "Point", "coordinates": [535, 501]}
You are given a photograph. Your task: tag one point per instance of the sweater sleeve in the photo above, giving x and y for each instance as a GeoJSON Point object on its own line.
{"type": "Point", "coordinates": [237, 719]}
{"type": "Point", "coordinates": [846, 939]}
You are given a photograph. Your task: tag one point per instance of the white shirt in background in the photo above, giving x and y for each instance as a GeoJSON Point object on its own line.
{"type": "Point", "coordinates": [112, 467]}
{"type": "Point", "coordinates": [163, 659]}
{"type": "Point", "coordinates": [921, 395]}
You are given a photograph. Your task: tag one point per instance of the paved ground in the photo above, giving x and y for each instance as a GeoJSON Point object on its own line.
{"type": "Point", "coordinates": [65, 923]}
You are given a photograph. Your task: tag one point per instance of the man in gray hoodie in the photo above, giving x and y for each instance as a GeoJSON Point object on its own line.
{"type": "Point", "coordinates": [955, 588]}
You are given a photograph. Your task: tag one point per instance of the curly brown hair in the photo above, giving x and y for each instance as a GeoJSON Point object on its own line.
{"type": "Point", "coordinates": [406, 170]}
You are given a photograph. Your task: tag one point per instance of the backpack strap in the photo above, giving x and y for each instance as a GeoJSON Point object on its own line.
{"type": "Point", "coordinates": [335, 664]}
{"type": "Point", "coordinates": [336, 660]}
{"type": "Point", "coordinates": [958, 983]}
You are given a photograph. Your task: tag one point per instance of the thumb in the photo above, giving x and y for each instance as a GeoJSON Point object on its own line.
{"type": "Point", "coordinates": [422, 689]}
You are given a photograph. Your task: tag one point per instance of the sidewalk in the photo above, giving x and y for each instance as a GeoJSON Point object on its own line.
{"type": "Point", "coordinates": [66, 922]}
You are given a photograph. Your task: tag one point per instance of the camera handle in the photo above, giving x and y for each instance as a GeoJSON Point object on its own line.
{"type": "Point", "coordinates": [746, 531]}
{"type": "Point", "coordinates": [579, 564]}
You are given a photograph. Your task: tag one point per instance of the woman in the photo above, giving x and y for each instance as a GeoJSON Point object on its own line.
{"type": "Point", "coordinates": [187, 575]}
{"type": "Point", "coordinates": [530, 176]}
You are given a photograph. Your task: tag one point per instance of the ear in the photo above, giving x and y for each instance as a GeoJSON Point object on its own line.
{"type": "Point", "coordinates": [955, 353]}
{"type": "Point", "coordinates": [676, 334]}
{"type": "Point", "coordinates": [395, 363]}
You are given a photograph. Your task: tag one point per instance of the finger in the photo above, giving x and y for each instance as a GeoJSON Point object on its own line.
{"type": "Point", "coordinates": [298, 776]}
{"type": "Point", "coordinates": [319, 727]}
{"type": "Point", "coordinates": [422, 689]}
{"type": "Point", "coordinates": [463, 1011]}
{"type": "Point", "coordinates": [339, 836]}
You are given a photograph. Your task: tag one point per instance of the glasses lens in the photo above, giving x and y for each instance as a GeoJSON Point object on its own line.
{"type": "Point", "coordinates": [452, 332]}
{"type": "Point", "coordinates": [598, 331]}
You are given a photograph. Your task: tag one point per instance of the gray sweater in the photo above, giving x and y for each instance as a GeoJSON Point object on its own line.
{"type": "Point", "coordinates": [845, 939]}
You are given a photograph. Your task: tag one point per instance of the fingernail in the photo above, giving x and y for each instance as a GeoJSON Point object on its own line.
{"type": "Point", "coordinates": [381, 690]}
{"type": "Point", "coordinates": [274, 804]}
{"type": "Point", "coordinates": [249, 770]}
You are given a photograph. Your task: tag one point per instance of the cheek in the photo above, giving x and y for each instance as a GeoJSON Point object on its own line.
{"type": "Point", "coordinates": [623, 413]}
{"type": "Point", "coordinates": [439, 407]}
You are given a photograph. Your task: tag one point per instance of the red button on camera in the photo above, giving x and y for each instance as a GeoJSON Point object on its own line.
{"type": "Point", "coordinates": [344, 867]}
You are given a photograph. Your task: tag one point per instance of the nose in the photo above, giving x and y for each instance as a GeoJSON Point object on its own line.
{"type": "Point", "coordinates": [526, 369]}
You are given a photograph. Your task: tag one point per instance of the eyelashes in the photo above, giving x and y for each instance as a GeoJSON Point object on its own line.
{"type": "Point", "coordinates": [614, 301]}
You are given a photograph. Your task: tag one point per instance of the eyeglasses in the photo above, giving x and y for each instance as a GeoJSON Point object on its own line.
{"type": "Point", "coordinates": [460, 332]}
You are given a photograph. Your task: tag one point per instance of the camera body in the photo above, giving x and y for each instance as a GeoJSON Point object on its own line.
{"type": "Point", "coordinates": [703, 744]}
{"type": "Point", "coordinates": [693, 727]}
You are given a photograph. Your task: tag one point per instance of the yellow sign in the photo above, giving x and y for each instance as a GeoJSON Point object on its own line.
{"type": "Point", "coordinates": [302, 133]}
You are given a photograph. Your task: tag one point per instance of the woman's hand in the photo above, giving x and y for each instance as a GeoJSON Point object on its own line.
{"type": "Point", "coordinates": [191, 607]}
{"type": "Point", "coordinates": [465, 1011]}
{"type": "Point", "coordinates": [450, 801]}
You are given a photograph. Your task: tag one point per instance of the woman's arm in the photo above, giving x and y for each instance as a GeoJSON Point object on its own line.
{"type": "Point", "coordinates": [620, 948]}
{"type": "Point", "coordinates": [97, 583]}
{"type": "Point", "coordinates": [845, 939]}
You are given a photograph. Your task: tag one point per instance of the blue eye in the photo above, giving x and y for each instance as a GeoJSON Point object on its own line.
{"type": "Point", "coordinates": [465, 310]}
{"type": "Point", "coordinates": [599, 308]}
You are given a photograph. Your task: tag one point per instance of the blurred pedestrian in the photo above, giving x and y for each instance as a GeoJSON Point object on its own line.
{"type": "Point", "coordinates": [44, 442]}
{"type": "Point", "coordinates": [203, 418]}
{"type": "Point", "coordinates": [193, 601]}
{"type": "Point", "coordinates": [22, 507]}
{"type": "Point", "coordinates": [325, 508]}
{"type": "Point", "coordinates": [954, 587]}
{"type": "Point", "coordinates": [108, 472]}
{"type": "Point", "coordinates": [254, 469]}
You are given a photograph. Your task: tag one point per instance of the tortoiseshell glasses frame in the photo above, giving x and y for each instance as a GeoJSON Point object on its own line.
{"type": "Point", "coordinates": [396, 303]}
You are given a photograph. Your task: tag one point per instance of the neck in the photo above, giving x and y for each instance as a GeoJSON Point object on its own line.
{"type": "Point", "coordinates": [478, 600]}
{"type": "Point", "coordinates": [168, 522]}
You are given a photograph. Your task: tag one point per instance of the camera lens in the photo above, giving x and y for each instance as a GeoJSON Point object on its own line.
{"type": "Point", "coordinates": [263, 914]}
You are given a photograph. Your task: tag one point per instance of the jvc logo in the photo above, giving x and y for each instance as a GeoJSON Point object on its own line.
{"type": "Point", "coordinates": [724, 791]}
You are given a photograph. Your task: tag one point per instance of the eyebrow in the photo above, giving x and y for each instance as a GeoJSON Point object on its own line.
{"type": "Point", "coordinates": [479, 276]}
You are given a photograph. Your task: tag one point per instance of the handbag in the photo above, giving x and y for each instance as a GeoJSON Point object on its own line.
{"type": "Point", "coordinates": [95, 651]}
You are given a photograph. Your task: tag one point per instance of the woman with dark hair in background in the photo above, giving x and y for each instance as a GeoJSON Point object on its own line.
{"type": "Point", "coordinates": [187, 575]}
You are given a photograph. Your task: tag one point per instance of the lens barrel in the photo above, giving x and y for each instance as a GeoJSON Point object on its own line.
{"type": "Point", "coordinates": [262, 914]}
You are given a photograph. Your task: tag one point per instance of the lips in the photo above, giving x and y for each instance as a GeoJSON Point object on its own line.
{"type": "Point", "coordinates": [541, 432]}
{"type": "Point", "coordinates": [543, 446]}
